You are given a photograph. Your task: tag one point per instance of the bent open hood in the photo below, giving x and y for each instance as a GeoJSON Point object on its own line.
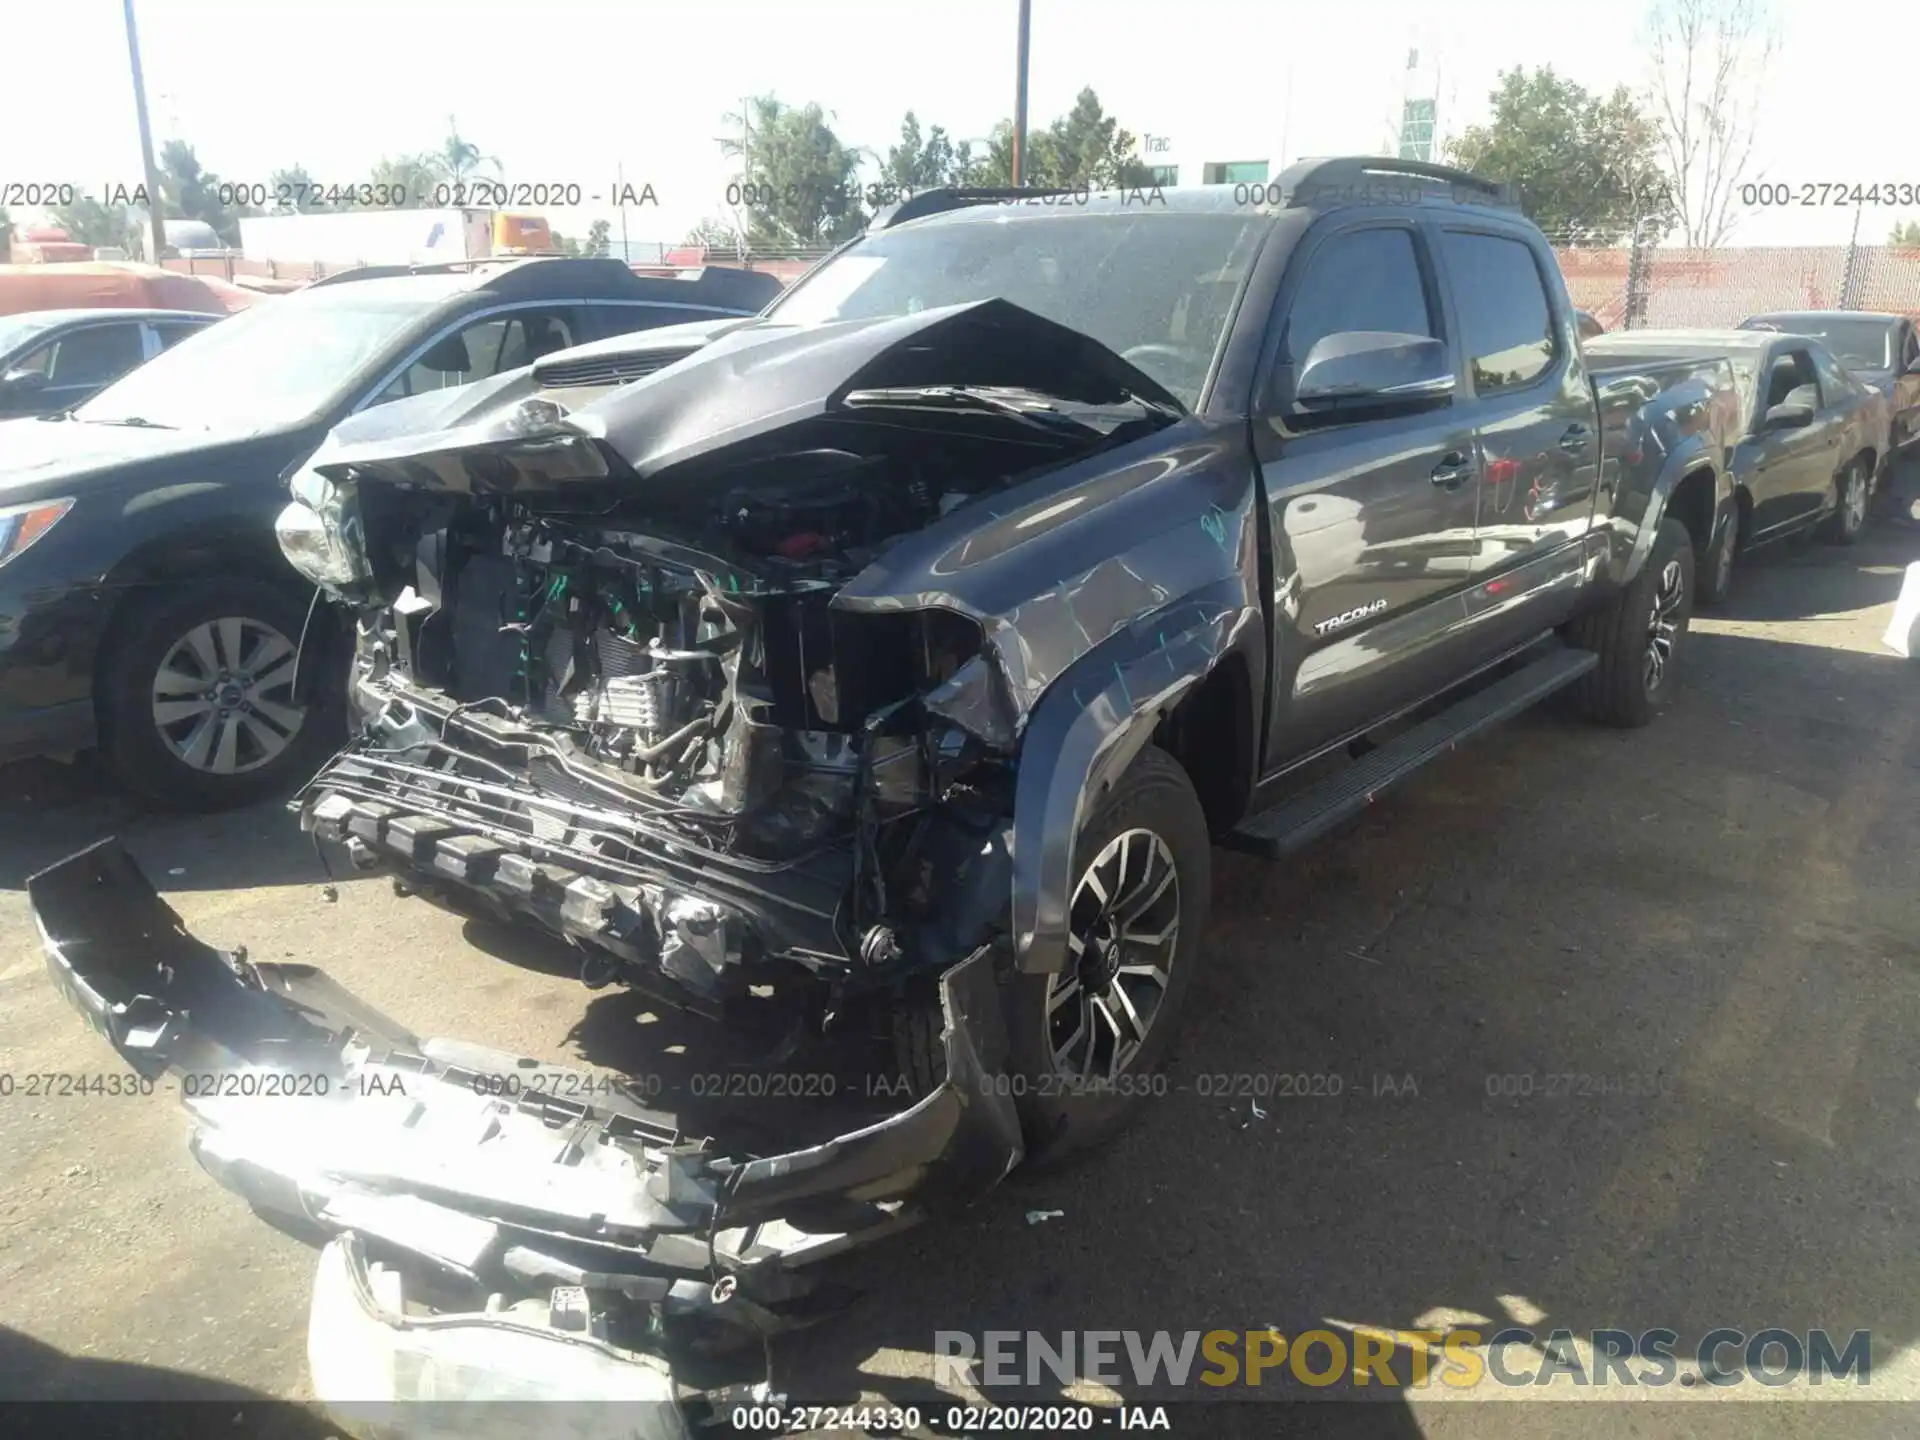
{"type": "Point", "coordinates": [738, 398]}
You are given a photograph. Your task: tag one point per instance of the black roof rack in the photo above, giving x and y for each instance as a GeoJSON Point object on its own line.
{"type": "Point", "coordinates": [955, 197]}
{"type": "Point", "coordinates": [1383, 178]}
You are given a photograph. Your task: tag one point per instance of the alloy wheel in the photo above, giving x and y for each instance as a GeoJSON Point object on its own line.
{"type": "Point", "coordinates": [1663, 625]}
{"type": "Point", "coordinates": [1122, 933]}
{"type": "Point", "coordinates": [223, 696]}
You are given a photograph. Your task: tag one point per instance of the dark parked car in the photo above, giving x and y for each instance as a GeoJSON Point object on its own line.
{"type": "Point", "coordinates": [52, 360]}
{"type": "Point", "coordinates": [144, 603]}
{"type": "Point", "coordinates": [1810, 438]}
{"type": "Point", "coordinates": [886, 667]}
{"type": "Point", "coordinates": [1882, 351]}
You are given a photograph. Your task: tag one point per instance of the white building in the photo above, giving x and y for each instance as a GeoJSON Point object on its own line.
{"type": "Point", "coordinates": [1251, 138]}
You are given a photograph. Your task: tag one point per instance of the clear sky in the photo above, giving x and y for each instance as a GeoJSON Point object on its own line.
{"type": "Point", "coordinates": [574, 90]}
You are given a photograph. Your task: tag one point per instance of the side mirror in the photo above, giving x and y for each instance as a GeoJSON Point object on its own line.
{"type": "Point", "coordinates": [1789, 415]}
{"type": "Point", "coordinates": [449, 356]}
{"type": "Point", "coordinates": [1373, 367]}
{"type": "Point", "coordinates": [22, 382]}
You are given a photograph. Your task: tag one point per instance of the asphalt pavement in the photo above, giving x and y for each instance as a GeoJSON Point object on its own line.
{"type": "Point", "coordinates": [1625, 1028]}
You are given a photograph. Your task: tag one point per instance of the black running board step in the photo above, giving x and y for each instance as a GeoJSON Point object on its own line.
{"type": "Point", "coordinates": [1301, 819]}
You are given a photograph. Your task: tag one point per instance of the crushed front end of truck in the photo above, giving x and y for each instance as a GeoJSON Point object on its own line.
{"type": "Point", "coordinates": [678, 678]}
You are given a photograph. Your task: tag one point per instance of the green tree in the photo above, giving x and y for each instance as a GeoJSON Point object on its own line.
{"type": "Point", "coordinates": [460, 159]}
{"type": "Point", "coordinates": [803, 180]}
{"type": "Point", "coordinates": [921, 162]}
{"type": "Point", "coordinates": [413, 176]}
{"type": "Point", "coordinates": [599, 239]}
{"type": "Point", "coordinates": [717, 235]}
{"type": "Point", "coordinates": [299, 190]}
{"type": "Point", "coordinates": [565, 244]}
{"type": "Point", "coordinates": [1085, 147]}
{"type": "Point", "coordinates": [6, 233]}
{"type": "Point", "coordinates": [1907, 234]}
{"type": "Point", "coordinates": [1586, 168]}
{"type": "Point", "coordinates": [91, 223]}
{"type": "Point", "coordinates": [190, 191]}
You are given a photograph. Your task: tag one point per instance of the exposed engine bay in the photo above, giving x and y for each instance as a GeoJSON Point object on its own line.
{"type": "Point", "coordinates": [604, 681]}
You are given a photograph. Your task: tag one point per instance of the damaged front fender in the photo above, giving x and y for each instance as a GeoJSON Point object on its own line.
{"type": "Point", "coordinates": [495, 1174]}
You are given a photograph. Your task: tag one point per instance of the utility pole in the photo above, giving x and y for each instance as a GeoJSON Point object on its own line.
{"type": "Point", "coordinates": [626, 250]}
{"type": "Point", "coordinates": [156, 208]}
{"type": "Point", "coordinates": [1019, 95]}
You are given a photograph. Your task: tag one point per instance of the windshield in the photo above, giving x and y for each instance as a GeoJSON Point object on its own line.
{"type": "Point", "coordinates": [1858, 344]}
{"type": "Point", "coordinates": [1155, 287]}
{"type": "Point", "coordinates": [279, 363]}
{"type": "Point", "coordinates": [16, 330]}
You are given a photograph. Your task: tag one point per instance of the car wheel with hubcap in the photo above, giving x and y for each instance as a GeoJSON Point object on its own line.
{"type": "Point", "coordinates": [197, 708]}
{"type": "Point", "coordinates": [1852, 496]}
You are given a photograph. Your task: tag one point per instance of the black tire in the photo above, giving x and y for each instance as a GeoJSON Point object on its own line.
{"type": "Point", "coordinates": [1059, 1115]}
{"type": "Point", "coordinates": [1714, 583]}
{"type": "Point", "coordinates": [142, 750]}
{"type": "Point", "coordinates": [1851, 498]}
{"type": "Point", "coordinates": [1624, 689]}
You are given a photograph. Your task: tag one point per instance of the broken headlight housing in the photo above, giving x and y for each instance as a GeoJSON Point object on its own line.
{"type": "Point", "coordinates": [319, 532]}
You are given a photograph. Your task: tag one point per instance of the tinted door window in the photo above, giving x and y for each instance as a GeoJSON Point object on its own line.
{"type": "Point", "coordinates": [1834, 384]}
{"type": "Point", "coordinates": [173, 333]}
{"type": "Point", "coordinates": [1505, 318]}
{"type": "Point", "coordinates": [1364, 280]}
{"type": "Point", "coordinates": [37, 362]}
{"type": "Point", "coordinates": [625, 319]}
{"type": "Point", "coordinates": [95, 355]}
{"type": "Point", "coordinates": [486, 347]}
{"type": "Point", "coordinates": [1790, 373]}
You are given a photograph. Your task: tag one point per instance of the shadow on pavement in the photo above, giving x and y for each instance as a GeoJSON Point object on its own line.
{"type": "Point", "coordinates": [1792, 580]}
{"type": "Point", "coordinates": [48, 1392]}
{"type": "Point", "coordinates": [1659, 1021]}
{"type": "Point", "coordinates": [49, 811]}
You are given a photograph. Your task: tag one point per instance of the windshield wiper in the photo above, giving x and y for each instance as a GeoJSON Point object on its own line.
{"type": "Point", "coordinates": [136, 422]}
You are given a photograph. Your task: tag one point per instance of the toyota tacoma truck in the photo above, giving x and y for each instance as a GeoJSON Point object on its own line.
{"type": "Point", "coordinates": [887, 667]}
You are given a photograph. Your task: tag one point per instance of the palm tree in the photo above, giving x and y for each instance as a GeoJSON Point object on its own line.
{"type": "Point", "coordinates": [458, 158]}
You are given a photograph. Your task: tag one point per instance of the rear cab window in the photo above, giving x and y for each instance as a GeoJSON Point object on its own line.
{"type": "Point", "coordinates": [1506, 318]}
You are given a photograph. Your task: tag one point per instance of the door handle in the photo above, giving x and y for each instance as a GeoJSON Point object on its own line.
{"type": "Point", "coordinates": [1452, 471]}
{"type": "Point", "coordinates": [1576, 438]}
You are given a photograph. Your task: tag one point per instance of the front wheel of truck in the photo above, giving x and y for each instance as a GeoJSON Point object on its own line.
{"type": "Point", "coordinates": [1639, 635]}
{"type": "Point", "coordinates": [1088, 1044]}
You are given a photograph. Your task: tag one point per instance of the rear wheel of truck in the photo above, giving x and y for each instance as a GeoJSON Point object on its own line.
{"type": "Point", "coordinates": [1086, 1046]}
{"type": "Point", "coordinates": [196, 703]}
{"type": "Point", "coordinates": [1638, 637]}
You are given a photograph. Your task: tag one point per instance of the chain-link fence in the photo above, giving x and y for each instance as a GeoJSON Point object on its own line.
{"type": "Point", "coordinates": [1650, 286]}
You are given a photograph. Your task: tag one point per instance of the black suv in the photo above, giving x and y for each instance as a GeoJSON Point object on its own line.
{"type": "Point", "coordinates": [143, 602]}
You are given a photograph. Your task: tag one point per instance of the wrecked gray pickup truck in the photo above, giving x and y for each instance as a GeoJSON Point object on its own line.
{"type": "Point", "coordinates": [887, 666]}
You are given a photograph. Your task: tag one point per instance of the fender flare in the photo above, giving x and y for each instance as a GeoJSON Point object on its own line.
{"type": "Point", "coordinates": [1086, 730]}
{"type": "Point", "coordinates": [1695, 454]}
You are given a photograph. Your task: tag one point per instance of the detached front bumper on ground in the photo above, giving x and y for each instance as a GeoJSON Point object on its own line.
{"type": "Point", "coordinates": [506, 1229]}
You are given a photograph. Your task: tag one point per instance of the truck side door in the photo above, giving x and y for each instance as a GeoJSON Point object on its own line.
{"type": "Point", "coordinates": [1371, 517]}
{"type": "Point", "coordinates": [1535, 424]}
